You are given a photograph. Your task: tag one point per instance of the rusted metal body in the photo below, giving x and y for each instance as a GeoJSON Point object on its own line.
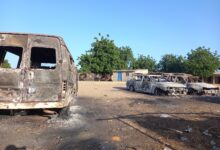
{"type": "Point", "coordinates": [193, 84]}
{"type": "Point", "coordinates": [31, 87]}
{"type": "Point", "coordinates": [155, 84]}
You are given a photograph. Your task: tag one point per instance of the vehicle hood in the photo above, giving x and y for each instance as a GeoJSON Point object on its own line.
{"type": "Point", "coordinates": [171, 84]}
{"type": "Point", "coordinates": [199, 86]}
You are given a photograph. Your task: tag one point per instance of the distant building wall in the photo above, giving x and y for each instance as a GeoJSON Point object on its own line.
{"type": "Point", "coordinates": [118, 75]}
{"type": "Point", "coordinates": [215, 78]}
{"type": "Point", "coordinates": [121, 75]}
{"type": "Point", "coordinates": [124, 75]}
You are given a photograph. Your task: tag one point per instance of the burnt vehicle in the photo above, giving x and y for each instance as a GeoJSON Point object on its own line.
{"type": "Point", "coordinates": [156, 85]}
{"type": "Point", "coordinates": [193, 83]}
{"type": "Point", "coordinates": [44, 76]}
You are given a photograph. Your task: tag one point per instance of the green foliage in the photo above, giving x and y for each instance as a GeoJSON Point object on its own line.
{"type": "Point", "coordinates": [202, 62]}
{"type": "Point", "coordinates": [5, 64]}
{"type": "Point", "coordinates": [85, 63]}
{"type": "Point", "coordinates": [102, 58]}
{"type": "Point", "coordinates": [145, 62]}
{"type": "Point", "coordinates": [126, 58]}
{"type": "Point", "coordinates": [172, 63]}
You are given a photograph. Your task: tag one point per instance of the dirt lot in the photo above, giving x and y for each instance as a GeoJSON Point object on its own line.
{"type": "Point", "coordinates": [106, 116]}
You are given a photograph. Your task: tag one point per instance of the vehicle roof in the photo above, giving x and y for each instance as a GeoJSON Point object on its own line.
{"type": "Point", "coordinates": [18, 33]}
{"type": "Point", "coordinates": [43, 35]}
{"type": "Point", "coordinates": [154, 75]}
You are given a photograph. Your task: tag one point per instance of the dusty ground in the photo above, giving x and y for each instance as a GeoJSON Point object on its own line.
{"type": "Point", "coordinates": [106, 116]}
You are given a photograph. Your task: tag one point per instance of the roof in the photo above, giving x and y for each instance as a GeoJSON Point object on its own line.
{"type": "Point", "coordinates": [17, 33]}
{"type": "Point", "coordinates": [124, 70]}
{"type": "Point", "coordinates": [217, 72]}
{"type": "Point", "coordinates": [43, 35]}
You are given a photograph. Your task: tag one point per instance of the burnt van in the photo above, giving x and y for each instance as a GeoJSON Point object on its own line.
{"type": "Point", "coordinates": [41, 75]}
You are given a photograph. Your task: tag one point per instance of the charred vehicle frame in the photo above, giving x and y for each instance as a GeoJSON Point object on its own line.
{"type": "Point", "coordinates": [44, 77]}
{"type": "Point", "coordinates": [156, 85]}
{"type": "Point", "coordinates": [193, 83]}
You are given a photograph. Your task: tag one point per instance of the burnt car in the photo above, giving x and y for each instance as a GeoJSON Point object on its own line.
{"type": "Point", "coordinates": [155, 84]}
{"type": "Point", "coordinates": [44, 76]}
{"type": "Point", "coordinates": [193, 83]}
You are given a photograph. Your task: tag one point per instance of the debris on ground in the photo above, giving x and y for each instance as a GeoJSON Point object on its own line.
{"type": "Point", "coordinates": [95, 119]}
{"type": "Point", "coordinates": [167, 148]}
{"type": "Point", "coordinates": [175, 130]}
{"type": "Point", "coordinates": [116, 139]}
{"type": "Point", "coordinates": [188, 129]}
{"type": "Point", "coordinates": [215, 148]}
{"type": "Point", "coordinates": [206, 132]}
{"type": "Point", "coordinates": [213, 144]}
{"type": "Point", "coordinates": [165, 116]}
{"type": "Point", "coordinates": [132, 148]}
{"type": "Point", "coordinates": [75, 119]}
{"type": "Point", "coordinates": [183, 138]}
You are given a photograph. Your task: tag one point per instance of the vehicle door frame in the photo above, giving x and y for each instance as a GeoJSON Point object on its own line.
{"type": "Point", "coordinates": [32, 87]}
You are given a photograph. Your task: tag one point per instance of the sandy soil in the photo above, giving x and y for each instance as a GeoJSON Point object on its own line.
{"type": "Point", "coordinates": [107, 116]}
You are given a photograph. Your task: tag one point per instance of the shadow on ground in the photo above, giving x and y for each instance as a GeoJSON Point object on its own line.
{"type": "Point", "coordinates": [13, 147]}
{"type": "Point", "coordinates": [164, 102]}
{"type": "Point", "coordinates": [127, 91]}
{"type": "Point", "coordinates": [90, 144]}
{"type": "Point", "coordinates": [121, 88]}
{"type": "Point", "coordinates": [172, 128]}
{"type": "Point", "coordinates": [5, 114]}
{"type": "Point", "coordinates": [208, 99]}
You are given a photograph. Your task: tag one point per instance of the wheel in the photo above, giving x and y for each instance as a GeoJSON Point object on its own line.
{"type": "Point", "coordinates": [192, 92]}
{"type": "Point", "coordinates": [156, 91]}
{"type": "Point", "coordinates": [64, 113]}
{"type": "Point", "coordinates": [159, 92]}
{"type": "Point", "coordinates": [131, 88]}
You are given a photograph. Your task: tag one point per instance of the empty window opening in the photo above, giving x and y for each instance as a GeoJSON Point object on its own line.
{"type": "Point", "coordinates": [218, 80]}
{"type": "Point", "coordinates": [10, 57]}
{"type": "Point", "coordinates": [181, 80]}
{"type": "Point", "coordinates": [43, 58]}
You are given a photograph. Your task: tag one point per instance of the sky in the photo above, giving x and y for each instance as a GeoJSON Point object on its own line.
{"type": "Point", "coordinates": [149, 27]}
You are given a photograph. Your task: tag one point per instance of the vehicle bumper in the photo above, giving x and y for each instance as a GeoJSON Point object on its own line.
{"type": "Point", "coordinates": [33, 105]}
{"type": "Point", "coordinates": [211, 92]}
{"type": "Point", "coordinates": [177, 92]}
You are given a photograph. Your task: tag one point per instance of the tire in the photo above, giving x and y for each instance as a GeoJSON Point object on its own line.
{"type": "Point", "coordinates": [159, 92]}
{"type": "Point", "coordinates": [64, 113]}
{"type": "Point", "coordinates": [192, 92]}
{"type": "Point", "coordinates": [156, 92]}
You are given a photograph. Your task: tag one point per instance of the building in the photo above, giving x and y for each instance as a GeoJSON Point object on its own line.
{"type": "Point", "coordinates": [215, 78]}
{"type": "Point", "coordinates": [124, 75]}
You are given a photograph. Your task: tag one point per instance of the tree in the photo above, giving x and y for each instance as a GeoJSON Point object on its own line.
{"type": "Point", "coordinates": [172, 63]}
{"type": "Point", "coordinates": [5, 64]}
{"type": "Point", "coordinates": [85, 63]}
{"type": "Point", "coordinates": [126, 58]}
{"type": "Point", "coordinates": [102, 58]}
{"type": "Point", "coordinates": [145, 62]}
{"type": "Point", "coordinates": [202, 62]}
